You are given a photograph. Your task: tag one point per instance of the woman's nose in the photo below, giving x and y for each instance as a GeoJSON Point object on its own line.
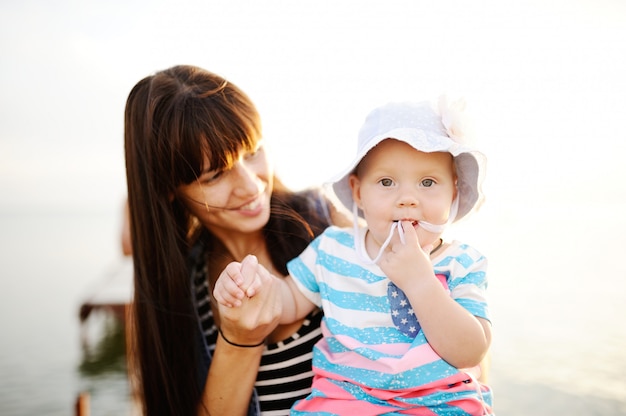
{"type": "Point", "coordinates": [248, 182]}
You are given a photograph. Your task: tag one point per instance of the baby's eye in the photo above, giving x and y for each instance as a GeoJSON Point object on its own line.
{"type": "Point", "coordinates": [427, 183]}
{"type": "Point", "coordinates": [386, 182]}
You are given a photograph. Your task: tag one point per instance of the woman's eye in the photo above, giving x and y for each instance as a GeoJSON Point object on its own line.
{"type": "Point", "coordinates": [386, 182]}
{"type": "Point", "coordinates": [253, 153]}
{"type": "Point", "coordinates": [427, 183]}
{"type": "Point", "coordinates": [211, 177]}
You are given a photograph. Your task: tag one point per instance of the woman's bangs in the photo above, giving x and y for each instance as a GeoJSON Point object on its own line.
{"type": "Point", "coordinates": [218, 125]}
{"type": "Point", "coordinates": [222, 145]}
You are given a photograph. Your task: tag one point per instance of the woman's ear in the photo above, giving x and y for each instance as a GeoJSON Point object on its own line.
{"type": "Point", "coordinates": [355, 187]}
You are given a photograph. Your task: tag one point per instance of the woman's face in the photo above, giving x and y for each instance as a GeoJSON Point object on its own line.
{"type": "Point", "coordinates": [234, 200]}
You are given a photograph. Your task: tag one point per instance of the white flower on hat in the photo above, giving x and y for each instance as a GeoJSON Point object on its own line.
{"type": "Point", "coordinates": [453, 118]}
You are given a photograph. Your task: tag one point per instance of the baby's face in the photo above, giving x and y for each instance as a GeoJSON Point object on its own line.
{"type": "Point", "coordinates": [396, 182]}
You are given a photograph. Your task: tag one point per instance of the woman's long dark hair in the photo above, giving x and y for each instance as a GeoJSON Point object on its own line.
{"type": "Point", "coordinates": [175, 119]}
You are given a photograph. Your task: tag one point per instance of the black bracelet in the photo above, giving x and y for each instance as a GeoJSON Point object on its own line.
{"type": "Point", "coordinates": [240, 345]}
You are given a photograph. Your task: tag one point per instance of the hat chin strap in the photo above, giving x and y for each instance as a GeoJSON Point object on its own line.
{"type": "Point", "coordinates": [358, 241]}
{"type": "Point", "coordinates": [439, 228]}
{"type": "Point", "coordinates": [433, 228]}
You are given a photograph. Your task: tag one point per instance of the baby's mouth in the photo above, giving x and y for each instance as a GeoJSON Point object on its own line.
{"type": "Point", "coordinates": [413, 222]}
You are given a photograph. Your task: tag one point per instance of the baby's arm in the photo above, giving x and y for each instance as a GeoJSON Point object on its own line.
{"type": "Point", "coordinates": [459, 337]}
{"type": "Point", "coordinates": [295, 305]}
{"type": "Point", "coordinates": [245, 279]}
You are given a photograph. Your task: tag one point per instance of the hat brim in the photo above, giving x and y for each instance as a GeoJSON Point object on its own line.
{"type": "Point", "coordinates": [467, 164]}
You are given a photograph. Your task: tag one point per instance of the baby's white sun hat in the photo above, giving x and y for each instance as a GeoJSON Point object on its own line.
{"type": "Point", "coordinates": [427, 130]}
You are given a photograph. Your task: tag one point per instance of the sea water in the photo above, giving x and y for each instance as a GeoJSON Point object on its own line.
{"type": "Point", "coordinates": [48, 263]}
{"type": "Point", "coordinates": [557, 285]}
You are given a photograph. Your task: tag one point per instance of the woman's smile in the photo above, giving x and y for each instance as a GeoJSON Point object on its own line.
{"type": "Point", "coordinates": [254, 207]}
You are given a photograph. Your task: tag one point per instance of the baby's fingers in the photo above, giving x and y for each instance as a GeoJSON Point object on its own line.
{"type": "Point", "coordinates": [412, 238]}
{"type": "Point", "coordinates": [226, 291]}
{"type": "Point", "coordinates": [262, 278]}
{"type": "Point", "coordinates": [250, 272]}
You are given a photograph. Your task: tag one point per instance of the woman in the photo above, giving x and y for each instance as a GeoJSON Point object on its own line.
{"type": "Point", "coordinates": [202, 194]}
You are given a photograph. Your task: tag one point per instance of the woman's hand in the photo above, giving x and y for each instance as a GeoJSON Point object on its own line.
{"type": "Point", "coordinates": [234, 369]}
{"type": "Point", "coordinates": [248, 301]}
{"type": "Point", "coordinates": [239, 280]}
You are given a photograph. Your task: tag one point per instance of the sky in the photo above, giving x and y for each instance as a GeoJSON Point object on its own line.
{"type": "Point", "coordinates": [543, 81]}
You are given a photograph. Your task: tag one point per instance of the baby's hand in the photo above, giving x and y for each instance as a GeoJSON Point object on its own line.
{"type": "Point", "coordinates": [238, 280]}
{"type": "Point", "coordinates": [406, 261]}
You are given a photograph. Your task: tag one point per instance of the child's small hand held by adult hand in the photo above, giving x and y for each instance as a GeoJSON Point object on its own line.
{"type": "Point", "coordinates": [239, 280]}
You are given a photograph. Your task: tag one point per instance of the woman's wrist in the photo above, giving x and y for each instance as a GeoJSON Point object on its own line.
{"type": "Point", "coordinates": [235, 344]}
